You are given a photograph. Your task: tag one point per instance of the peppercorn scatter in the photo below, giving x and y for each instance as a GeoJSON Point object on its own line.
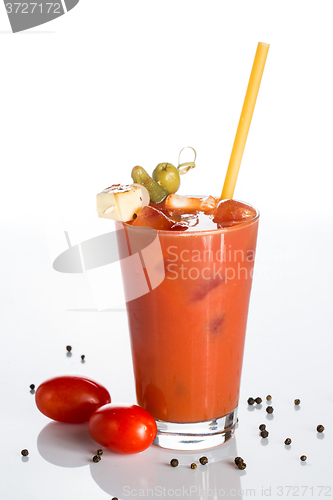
{"type": "Point", "coordinates": [263, 432]}
{"type": "Point", "coordinates": [193, 466]}
{"type": "Point", "coordinates": [96, 458]}
{"type": "Point", "coordinates": [297, 402]}
{"type": "Point", "coordinates": [240, 463]}
{"type": "Point", "coordinates": [24, 453]}
{"type": "Point", "coordinates": [174, 462]}
{"type": "Point", "coordinates": [287, 441]}
{"type": "Point", "coordinates": [203, 460]}
{"type": "Point", "coordinates": [303, 458]}
{"type": "Point", "coordinates": [320, 428]}
{"type": "Point", "coordinates": [251, 401]}
{"type": "Point", "coordinates": [270, 409]}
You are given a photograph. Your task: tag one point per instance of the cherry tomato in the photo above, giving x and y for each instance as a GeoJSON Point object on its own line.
{"type": "Point", "coordinates": [70, 399]}
{"type": "Point", "coordinates": [123, 429]}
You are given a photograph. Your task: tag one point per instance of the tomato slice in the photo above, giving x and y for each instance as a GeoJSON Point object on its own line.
{"type": "Point", "coordinates": [230, 212]}
{"type": "Point", "coordinates": [152, 217]}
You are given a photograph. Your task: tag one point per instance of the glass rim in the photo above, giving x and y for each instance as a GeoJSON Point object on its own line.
{"type": "Point", "coordinates": [192, 233]}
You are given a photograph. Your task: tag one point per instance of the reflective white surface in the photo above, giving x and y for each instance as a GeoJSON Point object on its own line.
{"type": "Point", "coordinates": [83, 100]}
{"type": "Point", "coordinates": [288, 354]}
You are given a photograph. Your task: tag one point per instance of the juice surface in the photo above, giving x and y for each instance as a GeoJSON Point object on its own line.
{"type": "Point", "coordinates": [187, 334]}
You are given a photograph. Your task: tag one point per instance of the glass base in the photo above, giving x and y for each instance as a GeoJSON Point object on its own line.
{"type": "Point", "coordinates": [197, 435]}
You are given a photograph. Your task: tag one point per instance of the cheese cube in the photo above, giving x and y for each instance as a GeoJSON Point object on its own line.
{"type": "Point", "coordinates": [119, 202]}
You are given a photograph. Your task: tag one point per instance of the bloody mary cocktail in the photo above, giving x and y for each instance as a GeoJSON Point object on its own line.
{"type": "Point", "coordinates": [187, 334]}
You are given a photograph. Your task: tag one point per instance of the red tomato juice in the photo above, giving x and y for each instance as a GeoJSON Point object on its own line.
{"type": "Point", "coordinates": [187, 334]}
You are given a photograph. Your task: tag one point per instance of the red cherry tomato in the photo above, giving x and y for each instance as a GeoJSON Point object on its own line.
{"type": "Point", "coordinates": [123, 429]}
{"type": "Point", "coordinates": [70, 399]}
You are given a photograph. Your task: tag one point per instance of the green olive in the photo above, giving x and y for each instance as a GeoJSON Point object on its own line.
{"type": "Point", "coordinates": [167, 176]}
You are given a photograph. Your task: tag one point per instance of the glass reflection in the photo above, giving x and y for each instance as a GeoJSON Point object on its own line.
{"type": "Point", "coordinates": [147, 474]}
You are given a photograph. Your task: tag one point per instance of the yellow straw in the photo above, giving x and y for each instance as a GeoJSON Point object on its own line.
{"type": "Point", "coordinates": [245, 121]}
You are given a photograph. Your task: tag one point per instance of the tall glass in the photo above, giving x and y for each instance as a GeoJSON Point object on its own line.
{"type": "Point", "coordinates": [187, 296]}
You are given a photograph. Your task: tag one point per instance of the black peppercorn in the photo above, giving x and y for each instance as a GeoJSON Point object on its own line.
{"type": "Point", "coordinates": [264, 434]}
{"type": "Point", "coordinates": [269, 397]}
{"type": "Point", "coordinates": [193, 466]}
{"type": "Point", "coordinates": [242, 466]}
{"type": "Point", "coordinates": [174, 462]}
{"type": "Point", "coordinates": [238, 460]}
{"type": "Point", "coordinates": [262, 427]}
{"type": "Point", "coordinates": [320, 428]}
{"type": "Point", "coordinates": [303, 458]}
{"type": "Point", "coordinates": [99, 452]}
{"type": "Point", "coordinates": [32, 386]}
{"type": "Point", "coordinates": [25, 453]}
{"type": "Point", "coordinates": [269, 409]}
{"type": "Point", "coordinates": [82, 357]}
{"type": "Point", "coordinates": [258, 401]}
{"type": "Point", "coordinates": [287, 441]}
{"type": "Point", "coordinates": [96, 458]}
{"type": "Point", "coordinates": [297, 402]}
{"type": "Point", "coordinates": [250, 401]}
{"type": "Point", "coordinates": [69, 348]}
{"type": "Point", "coordinates": [203, 460]}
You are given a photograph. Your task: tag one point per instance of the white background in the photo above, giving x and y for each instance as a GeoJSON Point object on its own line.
{"type": "Point", "coordinates": [114, 84]}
